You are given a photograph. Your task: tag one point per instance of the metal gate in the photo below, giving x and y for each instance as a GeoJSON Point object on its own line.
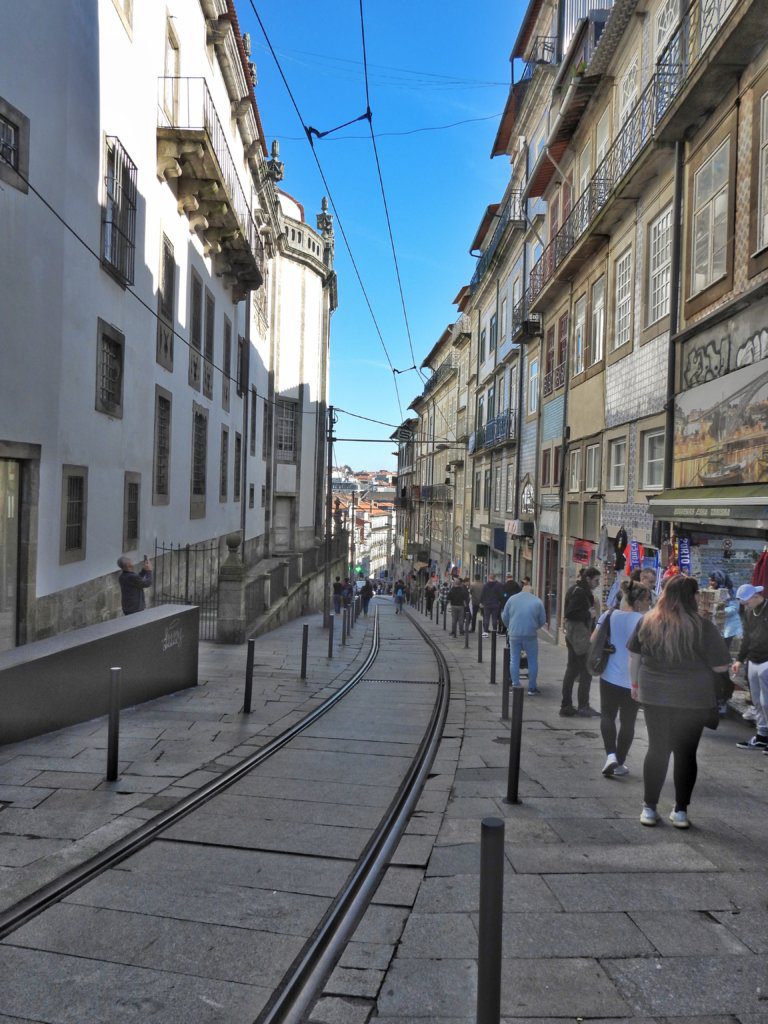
{"type": "Point", "coordinates": [189, 574]}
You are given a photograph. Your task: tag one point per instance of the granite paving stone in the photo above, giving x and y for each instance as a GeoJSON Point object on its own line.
{"type": "Point", "coordinates": [340, 1010]}
{"type": "Point", "coordinates": [575, 988]}
{"type": "Point", "coordinates": [656, 891]}
{"type": "Point", "coordinates": [399, 886]}
{"type": "Point", "coordinates": [691, 933]}
{"type": "Point", "coordinates": [566, 858]}
{"type": "Point", "coordinates": [354, 981]}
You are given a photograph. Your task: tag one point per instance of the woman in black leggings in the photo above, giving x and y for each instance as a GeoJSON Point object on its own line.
{"type": "Point", "coordinates": [674, 653]}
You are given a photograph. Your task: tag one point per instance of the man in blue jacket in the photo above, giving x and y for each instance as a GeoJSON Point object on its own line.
{"type": "Point", "coordinates": [523, 615]}
{"type": "Point", "coordinates": [133, 584]}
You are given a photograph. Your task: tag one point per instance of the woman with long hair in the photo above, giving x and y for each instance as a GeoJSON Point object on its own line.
{"type": "Point", "coordinates": [674, 653]}
{"type": "Point", "coordinates": [615, 695]}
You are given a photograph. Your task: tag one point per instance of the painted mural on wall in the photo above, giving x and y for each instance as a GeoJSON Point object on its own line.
{"type": "Point", "coordinates": [740, 341]}
{"type": "Point", "coordinates": [721, 427]}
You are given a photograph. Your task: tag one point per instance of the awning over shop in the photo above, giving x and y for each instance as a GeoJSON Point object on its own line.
{"type": "Point", "coordinates": [745, 505]}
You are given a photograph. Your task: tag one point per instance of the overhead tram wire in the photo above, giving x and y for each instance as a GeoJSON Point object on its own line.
{"type": "Point", "coordinates": [331, 201]}
{"type": "Point", "coordinates": [410, 131]}
{"type": "Point", "coordinates": [184, 341]}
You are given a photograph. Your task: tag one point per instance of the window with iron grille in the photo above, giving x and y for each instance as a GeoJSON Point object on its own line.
{"type": "Point", "coordinates": [118, 222]}
{"type": "Point", "coordinates": [109, 370]}
{"type": "Point", "coordinates": [236, 467]}
{"type": "Point", "coordinates": [166, 297]}
{"type": "Point", "coordinates": [199, 460]}
{"type": "Point", "coordinates": [9, 142]}
{"type": "Point", "coordinates": [224, 465]}
{"type": "Point", "coordinates": [252, 430]}
{"type": "Point", "coordinates": [195, 330]}
{"type": "Point", "coordinates": [131, 511]}
{"type": "Point", "coordinates": [226, 365]}
{"type": "Point", "coordinates": [74, 502]}
{"type": "Point", "coordinates": [161, 470]}
{"type": "Point", "coordinates": [210, 316]}
{"type": "Point", "coordinates": [266, 429]}
{"type": "Point", "coordinates": [659, 262]}
{"type": "Point", "coordinates": [285, 430]}
{"type": "Point", "coordinates": [623, 316]}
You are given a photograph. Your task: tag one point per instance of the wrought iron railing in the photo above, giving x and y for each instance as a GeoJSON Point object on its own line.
{"type": "Point", "coordinates": [462, 326]}
{"type": "Point", "coordinates": [511, 211]}
{"type": "Point", "coordinates": [186, 103]}
{"type": "Point", "coordinates": [521, 314]}
{"type": "Point", "coordinates": [543, 51]}
{"type": "Point", "coordinates": [436, 492]}
{"type": "Point", "coordinates": [444, 370]}
{"type": "Point", "coordinates": [688, 42]}
{"type": "Point", "coordinates": [554, 379]}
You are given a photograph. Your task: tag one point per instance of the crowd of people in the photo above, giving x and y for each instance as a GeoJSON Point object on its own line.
{"type": "Point", "coordinates": [650, 646]}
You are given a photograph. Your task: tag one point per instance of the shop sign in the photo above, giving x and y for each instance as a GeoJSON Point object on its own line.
{"type": "Point", "coordinates": [684, 555]}
{"type": "Point", "coordinates": [695, 512]}
{"type": "Point", "coordinates": [582, 551]}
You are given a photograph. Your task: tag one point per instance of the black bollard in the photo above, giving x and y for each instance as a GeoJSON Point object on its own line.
{"type": "Point", "coordinates": [479, 644]}
{"type": "Point", "coordinates": [490, 921]}
{"type": "Point", "coordinates": [113, 725]}
{"type": "Point", "coordinates": [493, 657]}
{"type": "Point", "coordinates": [331, 620]}
{"type": "Point", "coordinates": [249, 677]}
{"type": "Point", "coordinates": [467, 620]}
{"type": "Point", "coordinates": [505, 681]}
{"type": "Point", "coordinates": [515, 740]}
{"type": "Point", "coordinates": [344, 618]}
{"type": "Point", "coordinates": [445, 614]}
{"type": "Point", "coordinates": [304, 645]}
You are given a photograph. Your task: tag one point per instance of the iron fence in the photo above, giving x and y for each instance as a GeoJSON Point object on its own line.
{"type": "Point", "coordinates": [189, 574]}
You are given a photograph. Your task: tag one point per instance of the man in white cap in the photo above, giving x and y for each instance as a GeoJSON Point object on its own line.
{"type": "Point", "coordinates": [754, 650]}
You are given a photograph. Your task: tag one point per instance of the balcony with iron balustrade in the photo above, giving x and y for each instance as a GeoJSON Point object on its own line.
{"type": "Point", "coordinates": [192, 149]}
{"type": "Point", "coordinates": [510, 215]}
{"type": "Point", "coordinates": [523, 323]}
{"type": "Point", "coordinates": [502, 429]}
{"type": "Point", "coordinates": [442, 373]}
{"type": "Point", "coordinates": [713, 41]}
{"type": "Point", "coordinates": [553, 380]}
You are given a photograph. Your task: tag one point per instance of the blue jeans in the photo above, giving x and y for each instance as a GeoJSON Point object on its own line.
{"type": "Point", "coordinates": [529, 644]}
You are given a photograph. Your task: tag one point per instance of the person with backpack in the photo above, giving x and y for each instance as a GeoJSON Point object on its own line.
{"type": "Point", "coordinates": [615, 690]}
{"type": "Point", "coordinates": [579, 615]}
{"type": "Point", "coordinates": [675, 655]}
{"type": "Point", "coordinates": [399, 597]}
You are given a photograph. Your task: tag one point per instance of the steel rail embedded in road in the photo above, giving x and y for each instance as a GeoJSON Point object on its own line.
{"type": "Point", "coordinates": [302, 984]}
{"type": "Point", "coordinates": [69, 881]}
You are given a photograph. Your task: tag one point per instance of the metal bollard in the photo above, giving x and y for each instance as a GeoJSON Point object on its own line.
{"type": "Point", "coordinates": [505, 682]}
{"type": "Point", "coordinates": [445, 614]}
{"type": "Point", "coordinates": [344, 617]}
{"type": "Point", "coordinates": [304, 646]}
{"type": "Point", "coordinates": [113, 725]}
{"type": "Point", "coordinates": [493, 657]}
{"type": "Point", "coordinates": [515, 740]}
{"type": "Point", "coordinates": [489, 926]}
{"type": "Point", "coordinates": [479, 644]}
{"type": "Point", "coordinates": [331, 620]}
{"type": "Point", "coordinates": [467, 620]}
{"type": "Point", "coordinates": [249, 677]}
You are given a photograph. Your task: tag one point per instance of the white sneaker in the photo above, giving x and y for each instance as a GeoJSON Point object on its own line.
{"type": "Point", "coordinates": [679, 819]}
{"type": "Point", "coordinates": [609, 767]}
{"type": "Point", "coordinates": [649, 816]}
{"type": "Point", "coordinates": [486, 635]}
{"type": "Point", "coordinates": [750, 713]}
{"type": "Point", "coordinates": [621, 769]}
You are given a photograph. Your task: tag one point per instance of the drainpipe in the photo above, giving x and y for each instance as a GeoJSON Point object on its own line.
{"type": "Point", "coordinates": [520, 385]}
{"type": "Point", "coordinates": [244, 444]}
{"type": "Point", "coordinates": [674, 312]}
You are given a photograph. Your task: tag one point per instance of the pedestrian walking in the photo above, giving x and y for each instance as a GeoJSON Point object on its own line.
{"type": "Point", "coordinates": [458, 602]}
{"type": "Point", "coordinates": [674, 655]}
{"type": "Point", "coordinates": [337, 588]}
{"type": "Point", "coordinates": [366, 593]}
{"type": "Point", "coordinates": [399, 596]}
{"type": "Point", "coordinates": [754, 650]}
{"type": "Point", "coordinates": [133, 584]}
{"type": "Point", "coordinates": [475, 590]}
{"type": "Point", "coordinates": [490, 602]}
{"type": "Point", "coordinates": [429, 597]}
{"type": "Point", "coordinates": [615, 684]}
{"type": "Point", "coordinates": [579, 615]}
{"type": "Point", "coordinates": [523, 615]}
{"type": "Point", "coordinates": [346, 592]}
{"type": "Point", "coordinates": [509, 587]}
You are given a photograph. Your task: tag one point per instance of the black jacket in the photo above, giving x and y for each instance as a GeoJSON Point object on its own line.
{"type": "Point", "coordinates": [490, 596]}
{"type": "Point", "coordinates": [132, 587]}
{"type": "Point", "coordinates": [754, 642]}
{"type": "Point", "coordinates": [458, 595]}
{"type": "Point", "coordinates": [508, 589]}
{"type": "Point", "coordinates": [579, 602]}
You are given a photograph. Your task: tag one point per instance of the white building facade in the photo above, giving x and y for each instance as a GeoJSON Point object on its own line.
{"type": "Point", "coordinates": [166, 310]}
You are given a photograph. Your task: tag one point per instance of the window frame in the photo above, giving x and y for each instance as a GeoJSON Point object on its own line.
{"type": "Point", "coordinates": [166, 304]}
{"type": "Point", "coordinates": [612, 447]}
{"type": "Point", "coordinates": [487, 481]}
{"type": "Point", "coordinates": [622, 300]}
{"type": "Point", "coordinates": [657, 271]}
{"type": "Point", "coordinates": [224, 464]}
{"type": "Point", "coordinates": [196, 293]}
{"type": "Point", "coordinates": [645, 437]}
{"type": "Point", "coordinates": [596, 346]}
{"type": "Point", "coordinates": [709, 205]}
{"type": "Point", "coordinates": [115, 337]}
{"type": "Point", "coordinates": [237, 467]}
{"type": "Point", "coordinates": [77, 553]}
{"type": "Point", "coordinates": [533, 385]}
{"type": "Point", "coordinates": [757, 261]}
{"type": "Point", "coordinates": [284, 454]}
{"type": "Point", "coordinates": [580, 335]}
{"type": "Point", "coordinates": [197, 497]}
{"type": "Point", "coordinates": [209, 338]}
{"type": "Point", "coordinates": [118, 212]}
{"type": "Point", "coordinates": [592, 462]}
{"type": "Point", "coordinates": [16, 174]}
{"type": "Point", "coordinates": [574, 471]}
{"type": "Point", "coordinates": [546, 467]}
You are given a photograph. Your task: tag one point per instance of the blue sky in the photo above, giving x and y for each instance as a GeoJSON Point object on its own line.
{"type": "Point", "coordinates": [429, 65]}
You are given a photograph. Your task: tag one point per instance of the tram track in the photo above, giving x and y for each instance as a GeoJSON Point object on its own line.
{"type": "Point", "coordinates": [301, 984]}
